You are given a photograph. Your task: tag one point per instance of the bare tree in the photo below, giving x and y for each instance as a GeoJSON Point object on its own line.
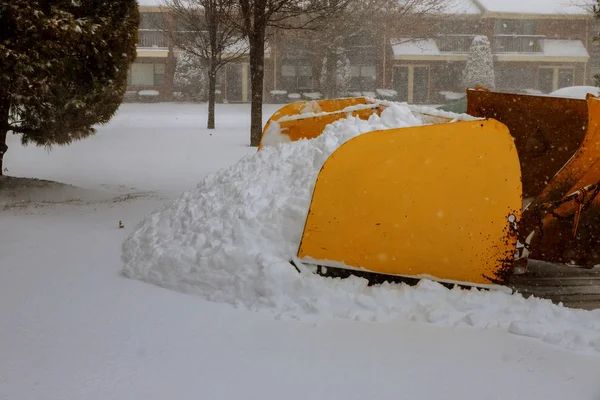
{"type": "Point", "coordinates": [366, 21]}
{"type": "Point", "coordinates": [202, 28]}
{"type": "Point", "coordinates": [255, 18]}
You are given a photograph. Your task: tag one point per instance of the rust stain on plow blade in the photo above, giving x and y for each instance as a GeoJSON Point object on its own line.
{"type": "Point", "coordinates": [547, 130]}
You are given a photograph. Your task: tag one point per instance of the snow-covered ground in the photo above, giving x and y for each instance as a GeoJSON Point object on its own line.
{"type": "Point", "coordinates": [73, 327]}
{"type": "Point", "coordinates": [163, 148]}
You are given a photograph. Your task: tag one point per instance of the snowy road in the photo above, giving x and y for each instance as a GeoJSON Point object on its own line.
{"type": "Point", "coordinates": [71, 327]}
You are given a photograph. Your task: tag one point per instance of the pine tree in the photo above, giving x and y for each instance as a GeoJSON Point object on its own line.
{"type": "Point", "coordinates": [480, 64]}
{"type": "Point", "coordinates": [64, 67]}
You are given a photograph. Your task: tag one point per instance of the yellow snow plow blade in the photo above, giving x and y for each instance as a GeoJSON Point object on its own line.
{"type": "Point", "coordinates": [436, 201]}
{"type": "Point", "coordinates": [308, 119]}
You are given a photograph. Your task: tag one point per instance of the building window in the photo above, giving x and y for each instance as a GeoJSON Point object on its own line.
{"type": "Point", "coordinates": [593, 73]}
{"type": "Point", "coordinates": [554, 78]}
{"type": "Point", "coordinates": [412, 83]}
{"type": "Point", "coordinates": [159, 74]}
{"type": "Point", "coordinates": [448, 77]}
{"type": "Point", "coordinates": [565, 78]}
{"type": "Point", "coordinates": [458, 27]}
{"type": "Point", "coordinates": [304, 77]}
{"type": "Point", "coordinates": [546, 80]}
{"type": "Point", "coordinates": [363, 70]}
{"type": "Point", "coordinates": [297, 77]}
{"type": "Point", "coordinates": [152, 20]}
{"type": "Point", "coordinates": [146, 74]}
{"type": "Point", "coordinates": [296, 65]}
{"type": "Point", "coordinates": [514, 27]}
{"type": "Point", "coordinates": [149, 30]}
{"type": "Point", "coordinates": [516, 77]}
{"type": "Point", "coordinates": [363, 78]}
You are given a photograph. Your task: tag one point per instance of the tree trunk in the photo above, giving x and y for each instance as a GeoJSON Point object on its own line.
{"type": "Point", "coordinates": [212, 19]}
{"type": "Point", "coordinates": [212, 84]}
{"type": "Point", "coordinates": [3, 148]}
{"type": "Point", "coordinates": [257, 61]}
{"type": "Point", "coordinates": [4, 114]}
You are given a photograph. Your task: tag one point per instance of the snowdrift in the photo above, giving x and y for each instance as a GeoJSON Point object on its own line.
{"type": "Point", "coordinates": [230, 240]}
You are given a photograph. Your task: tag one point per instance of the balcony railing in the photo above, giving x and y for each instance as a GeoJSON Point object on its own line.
{"type": "Point", "coordinates": [517, 44]}
{"type": "Point", "coordinates": [501, 43]}
{"type": "Point", "coordinates": [454, 43]}
{"type": "Point", "coordinates": [151, 38]}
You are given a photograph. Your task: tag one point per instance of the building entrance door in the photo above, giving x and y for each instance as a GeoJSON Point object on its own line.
{"type": "Point", "coordinates": [420, 85]}
{"type": "Point", "coordinates": [400, 79]}
{"type": "Point", "coordinates": [412, 83]}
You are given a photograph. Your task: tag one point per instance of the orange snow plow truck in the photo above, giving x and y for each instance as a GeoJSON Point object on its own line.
{"type": "Point", "coordinates": [508, 195]}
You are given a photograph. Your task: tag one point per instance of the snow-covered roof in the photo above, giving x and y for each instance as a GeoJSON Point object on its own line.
{"type": "Point", "coordinates": [550, 48]}
{"type": "Point", "coordinates": [461, 7]}
{"type": "Point", "coordinates": [564, 48]}
{"type": "Point", "coordinates": [412, 47]}
{"type": "Point", "coordinates": [538, 7]}
{"type": "Point", "coordinates": [150, 2]}
{"type": "Point", "coordinates": [456, 7]}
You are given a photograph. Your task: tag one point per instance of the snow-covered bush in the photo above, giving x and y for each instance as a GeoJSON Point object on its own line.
{"type": "Point", "coordinates": [178, 96]}
{"type": "Point", "coordinates": [278, 96]}
{"type": "Point", "coordinates": [451, 96]}
{"type": "Point", "coordinates": [480, 65]}
{"type": "Point", "coordinates": [130, 97]}
{"type": "Point", "coordinates": [292, 97]}
{"type": "Point", "coordinates": [387, 94]}
{"type": "Point", "coordinates": [190, 77]}
{"type": "Point", "coordinates": [149, 96]}
{"type": "Point", "coordinates": [312, 95]}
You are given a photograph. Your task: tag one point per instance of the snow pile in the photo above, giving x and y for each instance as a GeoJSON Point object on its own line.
{"type": "Point", "coordinates": [387, 93]}
{"type": "Point", "coordinates": [230, 240]}
{"type": "Point", "coordinates": [576, 92]}
{"type": "Point", "coordinates": [452, 95]}
{"type": "Point", "coordinates": [312, 95]}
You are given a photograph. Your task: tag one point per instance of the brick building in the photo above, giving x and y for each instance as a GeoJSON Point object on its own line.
{"type": "Point", "coordinates": [537, 47]}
